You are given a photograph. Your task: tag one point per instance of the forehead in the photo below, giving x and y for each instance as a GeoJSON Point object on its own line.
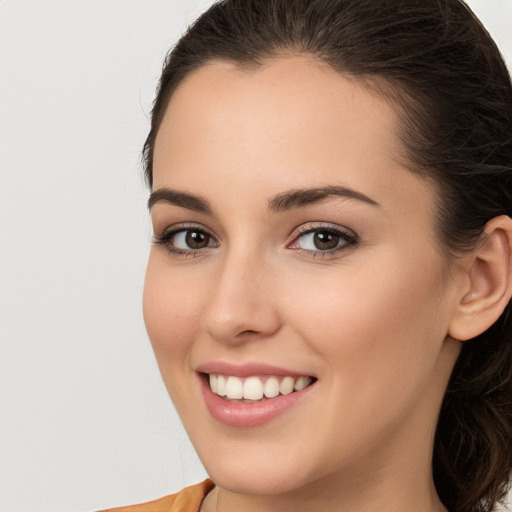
{"type": "Point", "coordinates": [291, 122]}
{"type": "Point", "coordinates": [284, 100]}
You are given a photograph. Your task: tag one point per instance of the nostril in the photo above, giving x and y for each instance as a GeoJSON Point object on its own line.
{"type": "Point", "coordinates": [241, 322]}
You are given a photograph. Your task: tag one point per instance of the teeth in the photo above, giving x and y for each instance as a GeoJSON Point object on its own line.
{"type": "Point", "coordinates": [213, 383]}
{"type": "Point", "coordinates": [286, 386]}
{"type": "Point", "coordinates": [234, 388]}
{"type": "Point", "coordinates": [255, 388]}
{"type": "Point", "coordinates": [301, 383]}
{"type": "Point", "coordinates": [221, 385]}
{"type": "Point", "coordinates": [271, 388]}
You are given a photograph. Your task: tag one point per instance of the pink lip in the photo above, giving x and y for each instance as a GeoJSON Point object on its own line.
{"type": "Point", "coordinates": [246, 415]}
{"type": "Point", "coordinates": [245, 370]}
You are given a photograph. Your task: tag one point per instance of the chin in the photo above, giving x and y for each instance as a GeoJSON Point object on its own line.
{"type": "Point", "coordinates": [256, 467]}
{"type": "Point", "coordinates": [271, 480]}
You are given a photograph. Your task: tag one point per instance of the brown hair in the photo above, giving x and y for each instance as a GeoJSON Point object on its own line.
{"type": "Point", "coordinates": [438, 64]}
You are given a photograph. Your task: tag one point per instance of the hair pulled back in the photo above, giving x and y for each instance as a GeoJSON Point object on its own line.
{"type": "Point", "coordinates": [438, 65]}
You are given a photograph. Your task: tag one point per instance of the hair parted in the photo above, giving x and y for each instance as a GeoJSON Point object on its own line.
{"type": "Point", "coordinates": [438, 65]}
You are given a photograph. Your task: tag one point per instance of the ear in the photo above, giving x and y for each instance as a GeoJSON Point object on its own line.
{"type": "Point", "coordinates": [488, 283]}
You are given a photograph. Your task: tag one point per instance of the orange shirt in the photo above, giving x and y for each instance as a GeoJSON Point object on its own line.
{"type": "Point", "coordinates": [187, 500]}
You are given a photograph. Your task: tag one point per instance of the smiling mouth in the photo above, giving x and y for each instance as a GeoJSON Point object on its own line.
{"type": "Point", "coordinates": [256, 388]}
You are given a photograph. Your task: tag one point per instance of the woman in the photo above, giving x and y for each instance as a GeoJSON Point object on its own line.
{"type": "Point", "coordinates": [328, 291]}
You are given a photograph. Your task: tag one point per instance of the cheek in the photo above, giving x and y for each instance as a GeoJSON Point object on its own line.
{"type": "Point", "coordinates": [369, 320]}
{"type": "Point", "coordinates": [380, 333]}
{"type": "Point", "coordinates": [172, 308]}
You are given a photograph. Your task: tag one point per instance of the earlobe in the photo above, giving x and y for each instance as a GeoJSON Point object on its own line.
{"type": "Point", "coordinates": [489, 278]}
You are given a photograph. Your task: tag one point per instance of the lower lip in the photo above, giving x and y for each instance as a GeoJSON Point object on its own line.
{"type": "Point", "coordinates": [245, 415]}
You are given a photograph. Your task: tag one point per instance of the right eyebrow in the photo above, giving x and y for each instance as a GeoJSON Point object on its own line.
{"type": "Point", "coordinates": [182, 199]}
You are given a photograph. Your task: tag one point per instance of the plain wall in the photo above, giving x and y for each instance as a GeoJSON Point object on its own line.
{"type": "Point", "coordinates": [85, 421]}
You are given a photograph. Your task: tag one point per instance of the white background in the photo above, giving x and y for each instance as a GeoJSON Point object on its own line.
{"type": "Point", "coordinates": [85, 421]}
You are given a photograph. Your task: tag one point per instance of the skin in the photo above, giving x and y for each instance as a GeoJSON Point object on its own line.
{"type": "Point", "coordinates": [370, 321]}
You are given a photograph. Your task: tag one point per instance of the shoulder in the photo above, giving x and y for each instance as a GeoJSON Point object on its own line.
{"type": "Point", "coordinates": [187, 500]}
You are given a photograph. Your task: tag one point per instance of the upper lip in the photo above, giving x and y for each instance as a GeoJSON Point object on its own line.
{"type": "Point", "coordinates": [246, 369]}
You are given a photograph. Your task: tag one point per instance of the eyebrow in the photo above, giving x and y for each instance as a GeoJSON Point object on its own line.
{"type": "Point", "coordinates": [298, 198]}
{"type": "Point", "coordinates": [189, 201]}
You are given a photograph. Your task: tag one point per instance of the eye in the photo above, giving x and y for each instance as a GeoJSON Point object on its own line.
{"type": "Point", "coordinates": [186, 241]}
{"type": "Point", "coordinates": [323, 239]}
{"type": "Point", "coordinates": [191, 239]}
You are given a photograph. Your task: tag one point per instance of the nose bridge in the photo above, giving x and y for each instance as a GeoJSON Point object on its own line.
{"type": "Point", "coordinates": [241, 302]}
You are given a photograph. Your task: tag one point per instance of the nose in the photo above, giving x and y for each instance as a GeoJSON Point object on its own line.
{"type": "Point", "coordinates": [243, 303]}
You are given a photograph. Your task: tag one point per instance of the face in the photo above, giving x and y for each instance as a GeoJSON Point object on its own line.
{"type": "Point", "coordinates": [293, 249]}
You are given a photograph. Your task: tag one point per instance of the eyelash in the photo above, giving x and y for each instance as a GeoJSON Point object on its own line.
{"type": "Point", "coordinates": [166, 239]}
{"type": "Point", "coordinates": [347, 238]}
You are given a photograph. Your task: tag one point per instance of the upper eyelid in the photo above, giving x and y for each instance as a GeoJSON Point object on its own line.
{"type": "Point", "coordinates": [185, 226]}
{"type": "Point", "coordinates": [319, 225]}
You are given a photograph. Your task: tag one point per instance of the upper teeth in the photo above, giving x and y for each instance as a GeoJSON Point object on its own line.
{"type": "Point", "coordinates": [255, 388]}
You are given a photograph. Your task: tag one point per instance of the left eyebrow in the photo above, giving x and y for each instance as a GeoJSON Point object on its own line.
{"type": "Point", "coordinates": [301, 198]}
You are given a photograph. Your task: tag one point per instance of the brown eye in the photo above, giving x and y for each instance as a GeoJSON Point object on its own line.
{"type": "Point", "coordinates": [197, 239]}
{"type": "Point", "coordinates": [185, 241]}
{"type": "Point", "coordinates": [325, 240]}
